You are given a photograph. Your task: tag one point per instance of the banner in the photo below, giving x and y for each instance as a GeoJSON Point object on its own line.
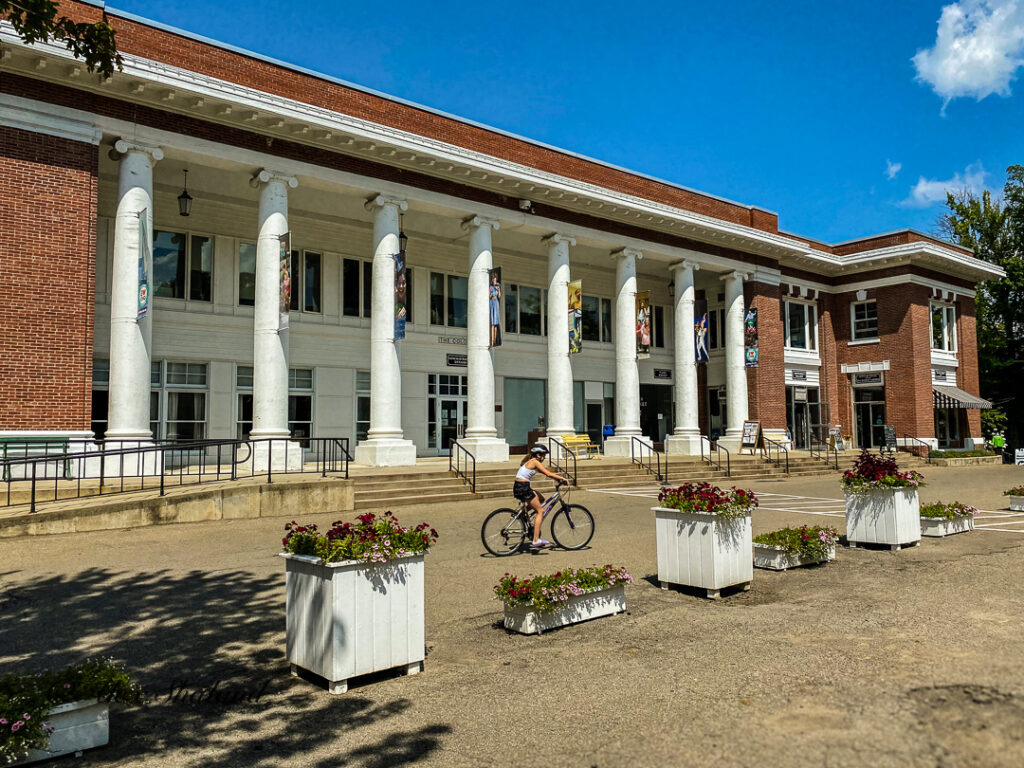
{"type": "Point", "coordinates": [643, 324]}
{"type": "Point", "coordinates": [494, 305]}
{"type": "Point", "coordinates": [144, 257]}
{"type": "Point", "coordinates": [750, 338]}
{"type": "Point", "coordinates": [575, 317]}
{"type": "Point", "coordinates": [286, 280]}
{"type": "Point", "coordinates": [700, 330]}
{"type": "Point", "coordinates": [401, 291]}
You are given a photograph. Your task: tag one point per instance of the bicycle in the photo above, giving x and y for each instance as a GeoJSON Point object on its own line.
{"type": "Point", "coordinates": [505, 530]}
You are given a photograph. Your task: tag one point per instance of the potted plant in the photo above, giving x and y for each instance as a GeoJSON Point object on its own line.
{"type": "Point", "coordinates": [1016, 498]}
{"type": "Point", "coordinates": [567, 597]}
{"type": "Point", "coordinates": [881, 502]}
{"type": "Point", "coordinates": [793, 547]}
{"type": "Point", "coordinates": [354, 597]}
{"type": "Point", "coordinates": [58, 712]}
{"type": "Point", "coordinates": [704, 537]}
{"type": "Point", "coordinates": [941, 519]}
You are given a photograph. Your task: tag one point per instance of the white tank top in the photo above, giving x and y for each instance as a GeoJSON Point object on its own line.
{"type": "Point", "coordinates": [524, 474]}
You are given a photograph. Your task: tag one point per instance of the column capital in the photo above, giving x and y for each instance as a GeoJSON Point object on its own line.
{"type": "Point", "coordinates": [684, 264]}
{"type": "Point", "coordinates": [632, 253]}
{"type": "Point", "coordinates": [735, 274]}
{"type": "Point", "coordinates": [266, 175]}
{"type": "Point", "coordinates": [123, 147]}
{"type": "Point", "coordinates": [379, 201]}
{"type": "Point", "coordinates": [471, 222]}
{"type": "Point", "coordinates": [557, 238]}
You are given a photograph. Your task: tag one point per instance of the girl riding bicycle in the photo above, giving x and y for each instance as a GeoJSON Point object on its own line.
{"type": "Point", "coordinates": [521, 490]}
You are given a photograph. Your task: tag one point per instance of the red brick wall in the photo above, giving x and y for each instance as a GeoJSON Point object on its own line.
{"type": "Point", "coordinates": [967, 355]}
{"type": "Point", "coordinates": [47, 280]}
{"type": "Point", "coordinates": [766, 384]}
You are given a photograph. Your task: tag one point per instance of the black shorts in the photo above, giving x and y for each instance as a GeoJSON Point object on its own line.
{"type": "Point", "coordinates": [522, 491]}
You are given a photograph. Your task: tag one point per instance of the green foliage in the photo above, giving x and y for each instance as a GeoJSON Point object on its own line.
{"type": "Point", "coordinates": [545, 593]}
{"type": "Point", "coordinates": [805, 541]}
{"type": "Point", "coordinates": [872, 471]}
{"type": "Point", "coordinates": [373, 539]}
{"type": "Point", "coordinates": [26, 699]}
{"type": "Point", "coordinates": [993, 420]}
{"type": "Point", "coordinates": [1017, 491]}
{"type": "Point", "coordinates": [37, 21]}
{"type": "Point", "coordinates": [948, 511]}
{"type": "Point", "coordinates": [959, 454]}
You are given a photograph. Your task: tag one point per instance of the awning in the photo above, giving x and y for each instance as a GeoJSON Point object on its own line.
{"type": "Point", "coordinates": [953, 397]}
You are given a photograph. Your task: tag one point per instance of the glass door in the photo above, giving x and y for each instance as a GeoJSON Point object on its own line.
{"type": "Point", "coordinates": [452, 423]}
{"type": "Point", "coordinates": [594, 422]}
{"type": "Point", "coordinates": [869, 415]}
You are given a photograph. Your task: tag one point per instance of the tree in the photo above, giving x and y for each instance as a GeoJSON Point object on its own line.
{"type": "Point", "coordinates": [37, 21]}
{"type": "Point", "coordinates": [994, 230]}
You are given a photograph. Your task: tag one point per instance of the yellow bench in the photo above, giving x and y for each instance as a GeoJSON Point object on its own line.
{"type": "Point", "coordinates": [580, 444]}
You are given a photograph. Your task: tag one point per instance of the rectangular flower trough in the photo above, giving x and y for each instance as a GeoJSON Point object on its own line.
{"type": "Point", "coordinates": [1017, 503]}
{"type": "Point", "coordinates": [592, 605]}
{"type": "Point", "coordinates": [704, 550]}
{"type": "Point", "coordinates": [78, 725]}
{"type": "Point", "coordinates": [946, 526]}
{"type": "Point", "coordinates": [890, 516]}
{"type": "Point", "coordinates": [352, 618]}
{"type": "Point", "coordinates": [780, 559]}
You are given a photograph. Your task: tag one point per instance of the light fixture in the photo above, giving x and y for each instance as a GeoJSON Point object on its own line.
{"type": "Point", "coordinates": [402, 239]}
{"type": "Point", "coordinates": [672, 289]}
{"type": "Point", "coordinates": [185, 199]}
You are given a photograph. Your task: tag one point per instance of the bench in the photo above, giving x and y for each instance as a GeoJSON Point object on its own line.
{"type": "Point", "coordinates": [12, 448]}
{"type": "Point", "coordinates": [581, 445]}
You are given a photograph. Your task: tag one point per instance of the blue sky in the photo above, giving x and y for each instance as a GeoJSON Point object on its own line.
{"type": "Point", "coordinates": [806, 111]}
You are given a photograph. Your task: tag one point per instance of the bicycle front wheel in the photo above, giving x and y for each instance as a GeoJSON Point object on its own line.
{"type": "Point", "coordinates": [572, 527]}
{"type": "Point", "coordinates": [503, 532]}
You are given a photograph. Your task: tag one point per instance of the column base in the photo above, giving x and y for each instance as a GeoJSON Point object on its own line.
{"type": "Point", "coordinates": [486, 450]}
{"type": "Point", "coordinates": [277, 455]}
{"type": "Point", "coordinates": [687, 445]}
{"type": "Point", "coordinates": [731, 443]}
{"type": "Point", "coordinates": [622, 445]}
{"type": "Point", "coordinates": [386, 452]}
{"type": "Point", "coordinates": [148, 463]}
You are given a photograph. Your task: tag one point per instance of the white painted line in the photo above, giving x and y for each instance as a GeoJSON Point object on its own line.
{"type": "Point", "coordinates": [1002, 530]}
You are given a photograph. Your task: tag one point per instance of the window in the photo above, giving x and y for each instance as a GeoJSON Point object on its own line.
{"type": "Point", "coordinates": [597, 319]}
{"type": "Point", "coordinates": [350, 271]}
{"type": "Point", "coordinates": [864, 320]}
{"type": "Point", "coordinates": [247, 274]}
{"type": "Point", "coordinates": [100, 397]}
{"type": "Point", "coordinates": [300, 404]}
{"type": "Point", "coordinates": [362, 405]}
{"type": "Point", "coordinates": [186, 408]}
{"type": "Point", "coordinates": [306, 273]}
{"type": "Point", "coordinates": [243, 419]}
{"type": "Point", "coordinates": [182, 266]}
{"type": "Point", "coordinates": [530, 322]}
{"type": "Point", "coordinates": [448, 299]}
{"type": "Point", "coordinates": [458, 288]}
{"type": "Point", "coordinates": [659, 326]}
{"type": "Point", "coordinates": [716, 329]}
{"type": "Point", "coordinates": [606, 319]}
{"type": "Point", "coordinates": [944, 327]}
{"type": "Point", "coordinates": [801, 324]}
{"type": "Point", "coordinates": [186, 374]}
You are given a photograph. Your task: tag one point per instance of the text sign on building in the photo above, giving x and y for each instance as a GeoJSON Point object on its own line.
{"type": "Point", "coordinates": [798, 375]}
{"type": "Point", "coordinates": [457, 361]}
{"type": "Point", "coordinates": [939, 375]}
{"type": "Point", "coordinates": [1018, 457]}
{"type": "Point", "coordinates": [800, 394]}
{"type": "Point", "coordinates": [867, 379]}
{"type": "Point", "coordinates": [451, 340]}
{"type": "Point", "coordinates": [663, 373]}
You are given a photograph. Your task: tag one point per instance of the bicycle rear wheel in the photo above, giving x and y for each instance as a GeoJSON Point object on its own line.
{"type": "Point", "coordinates": [503, 532]}
{"type": "Point", "coordinates": [572, 527]}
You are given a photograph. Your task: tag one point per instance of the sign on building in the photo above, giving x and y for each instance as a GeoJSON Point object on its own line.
{"type": "Point", "coordinates": [457, 361]}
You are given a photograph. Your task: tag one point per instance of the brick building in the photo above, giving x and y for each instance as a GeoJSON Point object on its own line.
{"type": "Point", "coordinates": [877, 331]}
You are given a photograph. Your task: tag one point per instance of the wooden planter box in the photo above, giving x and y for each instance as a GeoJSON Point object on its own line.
{"type": "Point", "coordinates": [946, 526]}
{"type": "Point", "coordinates": [884, 516]}
{"type": "Point", "coordinates": [697, 549]}
{"type": "Point", "coordinates": [78, 725]}
{"type": "Point", "coordinates": [593, 605]}
{"type": "Point", "coordinates": [352, 618]}
{"type": "Point", "coordinates": [1017, 503]}
{"type": "Point", "coordinates": [778, 559]}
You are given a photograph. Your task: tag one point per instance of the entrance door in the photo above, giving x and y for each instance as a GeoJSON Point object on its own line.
{"type": "Point", "coordinates": [869, 415]}
{"type": "Point", "coordinates": [947, 427]}
{"type": "Point", "coordinates": [594, 422]}
{"type": "Point", "coordinates": [717, 412]}
{"type": "Point", "coordinates": [452, 424]}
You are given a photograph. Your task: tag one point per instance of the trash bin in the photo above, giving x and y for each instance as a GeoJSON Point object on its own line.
{"type": "Point", "coordinates": [608, 430]}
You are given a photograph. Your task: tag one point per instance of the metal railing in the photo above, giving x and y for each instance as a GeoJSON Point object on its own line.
{"type": "Point", "coordinates": [781, 452]}
{"type": "Point", "coordinates": [144, 466]}
{"type": "Point", "coordinates": [716, 450]}
{"type": "Point", "coordinates": [560, 455]}
{"type": "Point", "coordinates": [914, 449]}
{"type": "Point", "coordinates": [459, 461]}
{"type": "Point", "coordinates": [822, 451]}
{"type": "Point", "coordinates": [652, 463]}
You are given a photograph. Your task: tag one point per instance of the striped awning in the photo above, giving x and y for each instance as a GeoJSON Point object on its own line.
{"type": "Point", "coordinates": [953, 397]}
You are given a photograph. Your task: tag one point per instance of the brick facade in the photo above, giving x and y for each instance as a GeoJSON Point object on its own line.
{"type": "Point", "coordinates": [47, 279]}
{"type": "Point", "coordinates": [766, 384]}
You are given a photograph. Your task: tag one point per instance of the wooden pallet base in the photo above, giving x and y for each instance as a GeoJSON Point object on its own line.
{"type": "Point", "coordinates": [341, 686]}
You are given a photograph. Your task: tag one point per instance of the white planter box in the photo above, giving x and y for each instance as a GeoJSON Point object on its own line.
{"type": "Point", "coordinates": [702, 550]}
{"type": "Point", "coordinates": [78, 725]}
{"type": "Point", "coordinates": [1017, 503]}
{"type": "Point", "coordinates": [352, 618]}
{"type": "Point", "coordinates": [778, 559]}
{"type": "Point", "coordinates": [593, 605]}
{"type": "Point", "coordinates": [945, 526]}
{"type": "Point", "coordinates": [884, 516]}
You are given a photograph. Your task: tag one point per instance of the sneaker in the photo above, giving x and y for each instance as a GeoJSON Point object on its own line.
{"type": "Point", "coordinates": [540, 544]}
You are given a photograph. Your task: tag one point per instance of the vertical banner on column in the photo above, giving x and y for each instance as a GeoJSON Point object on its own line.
{"type": "Point", "coordinates": [286, 280]}
{"type": "Point", "coordinates": [144, 248]}
{"type": "Point", "coordinates": [643, 324]}
{"type": "Point", "coordinates": [750, 338]}
{"type": "Point", "coordinates": [700, 330]}
{"type": "Point", "coordinates": [401, 296]}
{"type": "Point", "coordinates": [575, 317]}
{"type": "Point", "coordinates": [494, 305]}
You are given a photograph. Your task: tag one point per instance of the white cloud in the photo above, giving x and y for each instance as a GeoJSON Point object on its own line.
{"type": "Point", "coordinates": [891, 169]}
{"type": "Point", "coordinates": [928, 192]}
{"type": "Point", "coordinates": [978, 49]}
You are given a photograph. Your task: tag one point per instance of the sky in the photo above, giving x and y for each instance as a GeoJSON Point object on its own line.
{"type": "Point", "coordinates": [846, 119]}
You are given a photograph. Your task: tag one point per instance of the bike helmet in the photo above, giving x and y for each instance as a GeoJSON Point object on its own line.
{"type": "Point", "coordinates": [537, 450]}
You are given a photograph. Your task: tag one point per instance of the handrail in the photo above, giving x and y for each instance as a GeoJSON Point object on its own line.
{"type": "Point", "coordinates": [655, 456]}
{"type": "Point", "coordinates": [716, 447]}
{"type": "Point", "coordinates": [567, 453]}
{"type": "Point", "coordinates": [821, 451]}
{"type": "Point", "coordinates": [927, 447]}
{"type": "Point", "coordinates": [780, 449]}
{"type": "Point", "coordinates": [455, 452]}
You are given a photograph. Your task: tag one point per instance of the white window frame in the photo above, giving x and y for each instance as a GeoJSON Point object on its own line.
{"type": "Point", "coordinates": [519, 314]}
{"type": "Point", "coordinates": [189, 234]}
{"type": "Point", "coordinates": [810, 325]}
{"type": "Point", "coordinates": [604, 332]}
{"type": "Point", "coordinates": [948, 326]}
{"type": "Point", "coordinates": [299, 281]}
{"type": "Point", "coordinates": [853, 320]}
{"type": "Point", "coordinates": [357, 394]}
{"type": "Point", "coordinates": [174, 388]}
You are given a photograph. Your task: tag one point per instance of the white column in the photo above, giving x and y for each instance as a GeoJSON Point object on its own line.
{"type": "Point", "coordinates": [481, 435]}
{"type": "Point", "coordinates": [685, 438]}
{"type": "Point", "coordinates": [560, 411]}
{"type": "Point", "coordinates": [385, 445]}
{"type": "Point", "coordinates": [627, 377]}
{"type": "Point", "coordinates": [735, 367]}
{"type": "Point", "coordinates": [130, 337]}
